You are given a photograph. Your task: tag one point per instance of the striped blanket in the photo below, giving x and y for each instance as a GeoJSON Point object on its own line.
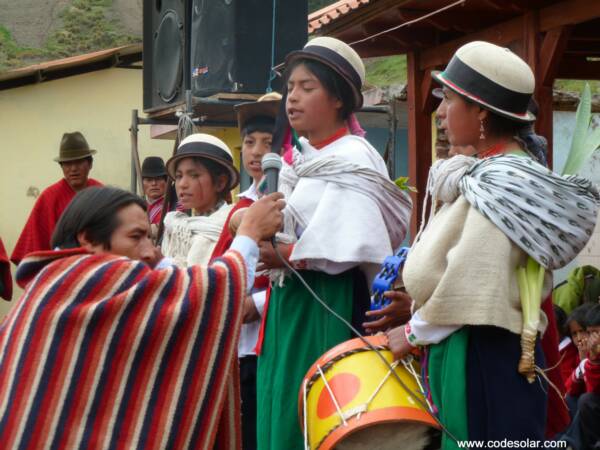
{"type": "Point", "coordinates": [103, 352]}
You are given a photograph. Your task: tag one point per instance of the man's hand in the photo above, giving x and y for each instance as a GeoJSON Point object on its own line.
{"type": "Point", "coordinates": [395, 314]}
{"type": "Point", "coordinates": [263, 219]}
{"type": "Point", "coordinates": [398, 343]}
{"type": "Point", "coordinates": [251, 314]}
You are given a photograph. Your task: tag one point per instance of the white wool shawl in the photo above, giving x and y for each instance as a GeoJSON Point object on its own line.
{"type": "Point", "coordinates": [342, 204]}
{"type": "Point", "coordinates": [191, 240]}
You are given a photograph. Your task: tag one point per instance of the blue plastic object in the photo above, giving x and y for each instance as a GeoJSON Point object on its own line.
{"type": "Point", "coordinates": [391, 269]}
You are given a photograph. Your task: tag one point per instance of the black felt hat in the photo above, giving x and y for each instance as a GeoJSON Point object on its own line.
{"type": "Point", "coordinates": [153, 167]}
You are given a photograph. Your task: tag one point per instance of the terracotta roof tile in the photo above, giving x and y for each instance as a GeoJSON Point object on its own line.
{"type": "Point", "coordinates": [332, 12]}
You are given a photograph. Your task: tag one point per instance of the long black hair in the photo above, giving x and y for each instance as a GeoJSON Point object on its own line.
{"type": "Point", "coordinates": [592, 317]}
{"type": "Point", "coordinates": [578, 315]}
{"type": "Point", "coordinates": [94, 212]}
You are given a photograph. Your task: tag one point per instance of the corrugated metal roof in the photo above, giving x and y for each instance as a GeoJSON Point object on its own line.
{"type": "Point", "coordinates": [326, 15]}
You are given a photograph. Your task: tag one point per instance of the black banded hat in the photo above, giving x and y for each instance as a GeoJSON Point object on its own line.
{"type": "Point", "coordinates": [340, 57]}
{"type": "Point", "coordinates": [153, 167]}
{"type": "Point", "coordinates": [265, 109]}
{"type": "Point", "coordinates": [491, 76]}
{"type": "Point", "coordinates": [205, 146]}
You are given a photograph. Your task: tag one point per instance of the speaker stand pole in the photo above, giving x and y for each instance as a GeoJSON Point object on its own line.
{"type": "Point", "coordinates": [136, 168]}
{"type": "Point", "coordinates": [187, 57]}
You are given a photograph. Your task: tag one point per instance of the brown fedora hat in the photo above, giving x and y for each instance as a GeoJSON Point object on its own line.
{"type": "Point", "coordinates": [73, 146]}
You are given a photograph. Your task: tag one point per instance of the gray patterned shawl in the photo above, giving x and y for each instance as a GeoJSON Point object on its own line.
{"type": "Point", "coordinates": [548, 216]}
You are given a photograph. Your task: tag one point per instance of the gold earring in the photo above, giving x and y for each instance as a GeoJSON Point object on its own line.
{"type": "Point", "coordinates": [481, 130]}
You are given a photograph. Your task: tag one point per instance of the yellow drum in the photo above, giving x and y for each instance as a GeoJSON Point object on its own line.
{"type": "Point", "coordinates": [353, 401]}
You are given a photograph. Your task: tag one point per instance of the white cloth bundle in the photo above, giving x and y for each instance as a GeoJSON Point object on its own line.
{"type": "Point", "coordinates": [191, 240]}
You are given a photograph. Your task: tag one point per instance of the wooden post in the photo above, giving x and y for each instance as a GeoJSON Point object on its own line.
{"type": "Point", "coordinates": [419, 137]}
{"type": "Point", "coordinates": [552, 48]}
{"type": "Point", "coordinates": [136, 169]}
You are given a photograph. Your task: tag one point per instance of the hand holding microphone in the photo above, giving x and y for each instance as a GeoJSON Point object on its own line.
{"type": "Point", "coordinates": [264, 218]}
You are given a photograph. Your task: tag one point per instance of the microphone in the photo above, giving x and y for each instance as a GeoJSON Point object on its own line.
{"type": "Point", "coordinates": [271, 165]}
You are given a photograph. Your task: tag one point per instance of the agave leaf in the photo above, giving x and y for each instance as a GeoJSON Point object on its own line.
{"type": "Point", "coordinates": [578, 151]}
{"type": "Point", "coordinates": [592, 143]}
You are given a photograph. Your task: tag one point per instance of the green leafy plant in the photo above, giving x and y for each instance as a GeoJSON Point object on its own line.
{"type": "Point", "coordinates": [585, 139]}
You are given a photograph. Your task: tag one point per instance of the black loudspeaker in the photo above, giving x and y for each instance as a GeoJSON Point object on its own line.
{"type": "Point", "coordinates": [232, 46]}
{"type": "Point", "coordinates": [164, 38]}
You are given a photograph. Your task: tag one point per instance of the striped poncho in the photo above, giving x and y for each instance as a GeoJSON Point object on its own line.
{"type": "Point", "coordinates": [103, 352]}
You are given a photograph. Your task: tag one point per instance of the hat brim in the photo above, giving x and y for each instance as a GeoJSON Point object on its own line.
{"type": "Point", "coordinates": [234, 176]}
{"type": "Point", "coordinates": [301, 54]}
{"type": "Point", "coordinates": [154, 174]}
{"type": "Point", "coordinates": [58, 159]}
{"type": "Point", "coordinates": [247, 111]}
{"type": "Point", "coordinates": [438, 76]}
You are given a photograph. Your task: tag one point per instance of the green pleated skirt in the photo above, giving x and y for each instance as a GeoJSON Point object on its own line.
{"type": "Point", "coordinates": [298, 331]}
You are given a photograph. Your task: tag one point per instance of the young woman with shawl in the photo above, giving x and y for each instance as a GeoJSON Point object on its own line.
{"type": "Point", "coordinates": [339, 225]}
{"type": "Point", "coordinates": [204, 175]}
{"type": "Point", "coordinates": [489, 214]}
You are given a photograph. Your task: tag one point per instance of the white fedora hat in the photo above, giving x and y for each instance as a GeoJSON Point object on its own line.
{"type": "Point", "coordinates": [340, 57]}
{"type": "Point", "coordinates": [493, 77]}
{"type": "Point", "coordinates": [201, 145]}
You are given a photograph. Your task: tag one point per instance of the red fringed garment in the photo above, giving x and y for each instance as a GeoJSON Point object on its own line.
{"type": "Point", "coordinates": [103, 352]}
{"type": "Point", "coordinates": [37, 233]}
{"type": "Point", "coordinates": [6, 287]}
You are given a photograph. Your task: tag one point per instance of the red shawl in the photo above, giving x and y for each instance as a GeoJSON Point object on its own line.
{"type": "Point", "coordinates": [6, 291]}
{"type": "Point", "coordinates": [155, 210]}
{"type": "Point", "coordinates": [101, 351]}
{"type": "Point", "coordinates": [37, 233]}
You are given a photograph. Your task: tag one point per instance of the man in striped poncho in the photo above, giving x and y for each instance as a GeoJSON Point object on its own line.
{"type": "Point", "coordinates": [102, 351]}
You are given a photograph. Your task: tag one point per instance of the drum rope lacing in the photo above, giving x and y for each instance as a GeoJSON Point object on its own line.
{"type": "Point", "coordinates": [409, 391]}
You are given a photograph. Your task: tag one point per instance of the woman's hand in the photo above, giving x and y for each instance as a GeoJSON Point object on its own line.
{"type": "Point", "coordinates": [250, 314]}
{"type": "Point", "coordinates": [268, 258]}
{"type": "Point", "coordinates": [395, 314]}
{"type": "Point", "coordinates": [398, 343]}
{"type": "Point", "coordinates": [236, 220]}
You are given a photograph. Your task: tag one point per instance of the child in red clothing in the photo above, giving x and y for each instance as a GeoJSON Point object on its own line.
{"type": "Point", "coordinates": [585, 382]}
{"type": "Point", "coordinates": [573, 348]}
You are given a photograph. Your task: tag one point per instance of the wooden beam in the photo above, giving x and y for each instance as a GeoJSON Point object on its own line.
{"type": "Point", "coordinates": [579, 69]}
{"type": "Point", "coordinates": [531, 40]}
{"type": "Point", "coordinates": [544, 124]}
{"type": "Point", "coordinates": [501, 34]}
{"type": "Point", "coordinates": [419, 138]}
{"type": "Point", "coordinates": [569, 12]}
{"type": "Point", "coordinates": [427, 86]}
{"type": "Point", "coordinates": [553, 48]}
